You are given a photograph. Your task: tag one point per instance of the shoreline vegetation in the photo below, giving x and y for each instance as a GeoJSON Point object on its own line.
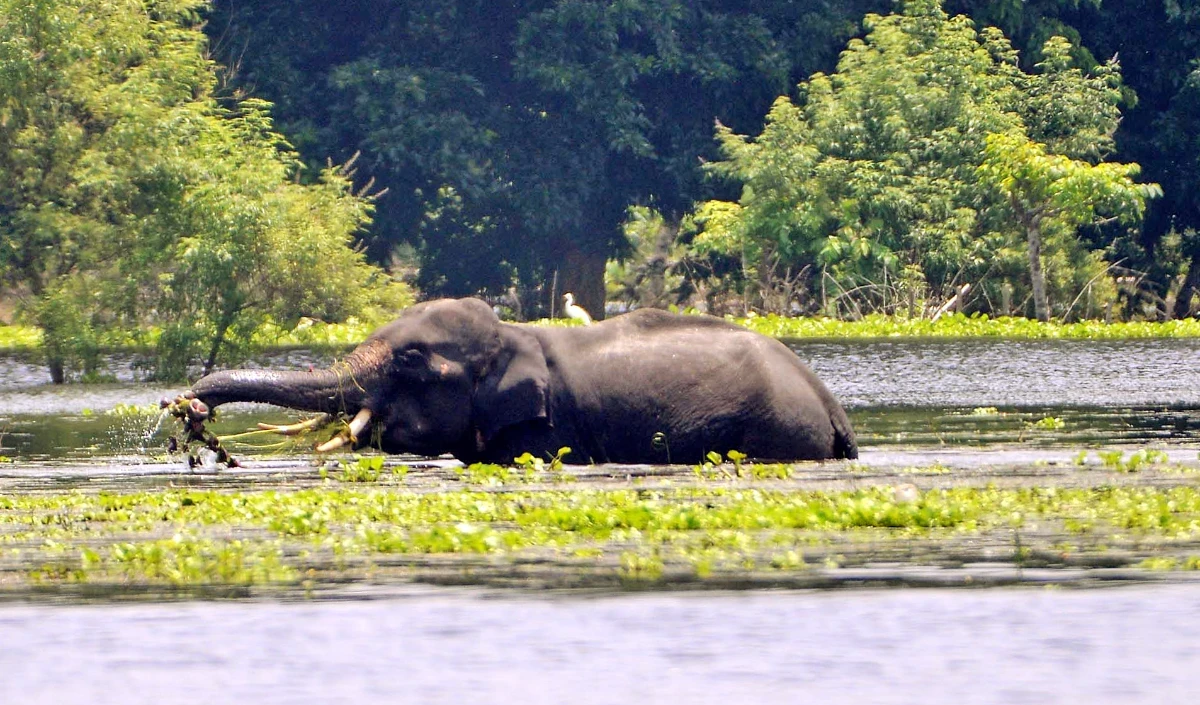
{"type": "Point", "coordinates": [316, 334]}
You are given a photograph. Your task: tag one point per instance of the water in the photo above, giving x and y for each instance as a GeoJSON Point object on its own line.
{"type": "Point", "coordinates": [972, 404]}
{"type": "Point", "coordinates": [907, 393]}
{"type": "Point", "coordinates": [1008, 647]}
{"type": "Point", "coordinates": [862, 373]}
{"type": "Point", "coordinates": [987, 372]}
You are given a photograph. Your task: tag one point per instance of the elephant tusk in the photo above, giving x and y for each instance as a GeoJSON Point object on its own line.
{"type": "Point", "coordinates": [332, 444]}
{"type": "Point", "coordinates": [360, 421]}
{"type": "Point", "coordinates": [357, 425]}
{"type": "Point", "coordinates": [297, 428]}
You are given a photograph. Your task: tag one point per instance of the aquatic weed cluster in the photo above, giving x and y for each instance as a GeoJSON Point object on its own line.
{"type": "Point", "coordinates": [962, 326]}
{"type": "Point", "coordinates": [705, 531]}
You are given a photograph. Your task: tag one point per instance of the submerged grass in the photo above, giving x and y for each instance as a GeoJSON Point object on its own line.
{"type": "Point", "coordinates": [185, 537]}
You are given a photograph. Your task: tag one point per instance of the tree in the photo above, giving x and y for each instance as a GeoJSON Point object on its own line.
{"type": "Point", "coordinates": [1054, 193]}
{"type": "Point", "coordinates": [131, 196]}
{"type": "Point", "coordinates": [83, 89]}
{"type": "Point", "coordinates": [513, 137]}
{"type": "Point", "coordinates": [652, 276]}
{"type": "Point", "coordinates": [1031, 23]}
{"type": "Point", "coordinates": [1158, 43]}
{"type": "Point", "coordinates": [637, 86]}
{"type": "Point", "coordinates": [250, 246]}
{"type": "Point", "coordinates": [873, 178]}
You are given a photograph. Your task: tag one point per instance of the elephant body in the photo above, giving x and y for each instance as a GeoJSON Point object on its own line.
{"type": "Point", "coordinates": [645, 387]}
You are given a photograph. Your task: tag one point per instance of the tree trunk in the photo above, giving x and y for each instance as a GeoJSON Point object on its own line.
{"type": "Point", "coordinates": [1041, 306]}
{"type": "Point", "coordinates": [582, 274]}
{"type": "Point", "coordinates": [210, 362]}
{"type": "Point", "coordinates": [1183, 301]}
{"type": "Point", "coordinates": [654, 293]}
{"type": "Point", "coordinates": [57, 370]}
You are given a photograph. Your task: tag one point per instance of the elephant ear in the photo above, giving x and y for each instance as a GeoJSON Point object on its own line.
{"type": "Point", "coordinates": [517, 388]}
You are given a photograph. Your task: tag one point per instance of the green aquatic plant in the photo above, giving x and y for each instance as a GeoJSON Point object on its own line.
{"type": "Point", "coordinates": [318, 335]}
{"type": "Point", "coordinates": [736, 457]}
{"type": "Point", "coordinates": [713, 468]}
{"type": "Point", "coordinates": [1116, 460]}
{"type": "Point", "coordinates": [364, 468]}
{"type": "Point", "coordinates": [1049, 423]}
{"type": "Point", "coordinates": [209, 537]}
{"type": "Point", "coordinates": [769, 471]}
{"type": "Point", "coordinates": [532, 463]}
{"type": "Point", "coordinates": [340, 336]}
{"type": "Point", "coordinates": [640, 568]}
{"type": "Point", "coordinates": [962, 326]}
{"type": "Point", "coordinates": [15, 337]}
{"type": "Point", "coordinates": [934, 469]}
{"type": "Point", "coordinates": [186, 560]}
{"type": "Point", "coordinates": [486, 473]}
{"type": "Point", "coordinates": [1165, 563]}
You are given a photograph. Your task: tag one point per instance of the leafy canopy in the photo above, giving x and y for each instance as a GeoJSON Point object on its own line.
{"type": "Point", "coordinates": [131, 195]}
{"type": "Point", "coordinates": [872, 178]}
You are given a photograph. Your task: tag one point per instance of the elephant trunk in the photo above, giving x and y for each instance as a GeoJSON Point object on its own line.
{"type": "Point", "coordinates": [342, 387]}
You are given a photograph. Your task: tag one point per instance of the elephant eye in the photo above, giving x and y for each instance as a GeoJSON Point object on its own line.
{"type": "Point", "coordinates": [411, 358]}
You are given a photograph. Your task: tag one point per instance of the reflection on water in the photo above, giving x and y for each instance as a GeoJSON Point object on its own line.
{"type": "Point", "coordinates": [134, 438]}
{"type": "Point", "coordinates": [1007, 647]}
{"type": "Point", "coordinates": [25, 387]}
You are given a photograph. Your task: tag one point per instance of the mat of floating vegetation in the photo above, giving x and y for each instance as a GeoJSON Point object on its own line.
{"type": "Point", "coordinates": [288, 528]}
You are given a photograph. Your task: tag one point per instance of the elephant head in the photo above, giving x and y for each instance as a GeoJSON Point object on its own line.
{"type": "Point", "coordinates": [444, 377]}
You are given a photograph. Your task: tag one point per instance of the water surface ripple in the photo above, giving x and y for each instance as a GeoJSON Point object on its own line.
{"type": "Point", "coordinates": [995, 372]}
{"type": "Point", "coordinates": [1006, 647]}
{"type": "Point", "coordinates": [862, 373]}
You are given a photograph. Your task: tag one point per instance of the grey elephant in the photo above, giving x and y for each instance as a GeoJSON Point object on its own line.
{"type": "Point", "coordinates": [448, 376]}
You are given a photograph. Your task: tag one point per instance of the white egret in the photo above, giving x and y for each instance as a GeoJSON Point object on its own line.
{"type": "Point", "coordinates": [576, 311]}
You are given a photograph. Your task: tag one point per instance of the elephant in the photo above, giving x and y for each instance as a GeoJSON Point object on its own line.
{"type": "Point", "coordinates": [447, 376]}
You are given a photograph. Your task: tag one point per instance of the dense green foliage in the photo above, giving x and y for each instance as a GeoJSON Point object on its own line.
{"type": "Point", "coordinates": [576, 110]}
{"type": "Point", "coordinates": [132, 195]}
{"type": "Point", "coordinates": [513, 136]}
{"type": "Point", "coordinates": [930, 157]}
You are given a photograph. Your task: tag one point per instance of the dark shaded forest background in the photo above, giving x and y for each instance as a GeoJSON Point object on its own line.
{"type": "Point", "coordinates": [514, 136]}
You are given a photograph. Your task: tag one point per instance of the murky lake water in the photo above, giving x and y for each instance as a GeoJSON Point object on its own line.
{"type": "Point", "coordinates": [1008, 647]}
{"type": "Point", "coordinates": [906, 392]}
{"type": "Point", "coordinates": [973, 401]}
